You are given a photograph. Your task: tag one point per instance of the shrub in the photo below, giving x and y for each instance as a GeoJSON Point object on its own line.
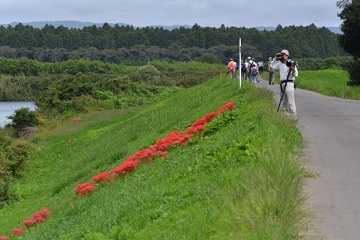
{"type": "Point", "coordinates": [148, 73]}
{"type": "Point", "coordinates": [353, 70]}
{"type": "Point", "coordinates": [23, 117]}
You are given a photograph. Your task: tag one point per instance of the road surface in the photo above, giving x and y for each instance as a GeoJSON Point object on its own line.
{"type": "Point", "coordinates": [331, 131]}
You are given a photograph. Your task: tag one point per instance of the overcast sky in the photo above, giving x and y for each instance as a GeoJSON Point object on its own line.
{"type": "Point", "coordinates": [141, 13]}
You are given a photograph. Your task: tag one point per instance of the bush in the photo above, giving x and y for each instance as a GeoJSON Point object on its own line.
{"type": "Point", "coordinates": [23, 117]}
{"type": "Point", "coordinates": [208, 58]}
{"type": "Point", "coordinates": [148, 73]}
{"type": "Point", "coordinates": [13, 157]}
{"type": "Point", "coordinates": [353, 70]}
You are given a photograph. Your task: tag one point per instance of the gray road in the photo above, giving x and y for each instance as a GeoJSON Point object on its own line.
{"type": "Point", "coordinates": [331, 131]}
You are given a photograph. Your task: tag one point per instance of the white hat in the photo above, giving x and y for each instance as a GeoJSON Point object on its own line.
{"type": "Point", "coordinates": [284, 51]}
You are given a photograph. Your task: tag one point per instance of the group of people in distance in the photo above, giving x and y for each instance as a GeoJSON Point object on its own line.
{"type": "Point", "coordinates": [288, 70]}
{"type": "Point", "coordinates": [250, 70]}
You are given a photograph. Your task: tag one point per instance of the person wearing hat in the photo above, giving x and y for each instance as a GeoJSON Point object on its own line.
{"type": "Point", "coordinates": [287, 78]}
{"type": "Point", "coordinates": [271, 72]}
{"type": "Point", "coordinates": [232, 68]}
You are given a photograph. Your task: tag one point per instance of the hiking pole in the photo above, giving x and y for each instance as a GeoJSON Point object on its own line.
{"type": "Point", "coordinates": [282, 94]}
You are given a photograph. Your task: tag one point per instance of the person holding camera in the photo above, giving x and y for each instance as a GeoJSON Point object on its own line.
{"type": "Point", "coordinates": [288, 71]}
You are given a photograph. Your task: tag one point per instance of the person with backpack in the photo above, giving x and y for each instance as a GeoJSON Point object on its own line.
{"type": "Point", "coordinates": [288, 71]}
{"type": "Point", "coordinates": [254, 71]}
{"type": "Point", "coordinates": [232, 68]}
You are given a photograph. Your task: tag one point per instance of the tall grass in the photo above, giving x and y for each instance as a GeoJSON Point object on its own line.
{"type": "Point", "coordinates": [329, 82]}
{"type": "Point", "coordinates": [241, 180]}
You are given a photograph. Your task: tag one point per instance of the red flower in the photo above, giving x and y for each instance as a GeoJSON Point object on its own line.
{"type": "Point", "coordinates": [227, 106]}
{"type": "Point", "coordinates": [29, 222]}
{"type": "Point", "coordinates": [4, 237]}
{"type": "Point", "coordinates": [210, 116]}
{"type": "Point", "coordinates": [127, 166]}
{"type": "Point", "coordinates": [85, 188]}
{"type": "Point", "coordinates": [18, 231]}
{"type": "Point", "coordinates": [76, 119]}
{"type": "Point", "coordinates": [201, 121]}
{"type": "Point", "coordinates": [45, 213]}
{"type": "Point", "coordinates": [103, 177]}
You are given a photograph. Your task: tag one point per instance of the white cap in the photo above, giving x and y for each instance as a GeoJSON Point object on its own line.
{"type": "Point", "coordinates": [284, 51]}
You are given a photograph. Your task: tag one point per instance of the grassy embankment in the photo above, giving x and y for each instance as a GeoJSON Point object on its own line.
{"type": "Point", "coordinates": [241, 180]}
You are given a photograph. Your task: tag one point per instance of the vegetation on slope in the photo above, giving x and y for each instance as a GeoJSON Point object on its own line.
{"type": "Point", "coordinates": [241, 180]}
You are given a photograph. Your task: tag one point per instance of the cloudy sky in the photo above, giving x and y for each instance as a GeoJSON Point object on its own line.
{"type": "Point", "coordinates": [141, 13]}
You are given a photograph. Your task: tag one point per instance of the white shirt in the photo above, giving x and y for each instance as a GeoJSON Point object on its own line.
{"type": "Point", "coordinates": [284, 70]}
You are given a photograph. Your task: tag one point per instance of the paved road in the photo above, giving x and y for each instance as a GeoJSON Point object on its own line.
{"type": "Point", "coordinates": [331, 131]}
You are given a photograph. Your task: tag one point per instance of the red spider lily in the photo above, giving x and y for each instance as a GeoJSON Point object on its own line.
{"type": "Point", "coordinates": [76, 119]}
{"type": "Point", "coordinates": [127, 166]}
{"type": "Point", "coordinates": [227, 106]}
{"type": "Point", "coordinates": [184, 139]}
{"type": "Point", "coordinates": [201, 121]}
{"type": "Point", "coordinates": [158, 149]}
{"type": "Point", "coordinates": [29, 222]}
{"type": "Point", "coordinates": [39, 217]}
{"type": "Point", "coordinates": [103, 177]}
{"type": "Point", "coordinates": [210, 116]}
{"type": "Point", "coordinates": [45, 213]}
{"type": "Point", "coordinates": [196, 129]}
{"type": "Point", "coordinates": [2, 237]}
{"type": "Point", "coordinates": [18, 231]}
{"type": "Point", "coordinates": [85, 188]}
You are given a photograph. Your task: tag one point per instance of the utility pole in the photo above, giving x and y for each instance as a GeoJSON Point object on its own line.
{"type": "Point", "coordinates": [240, 62]}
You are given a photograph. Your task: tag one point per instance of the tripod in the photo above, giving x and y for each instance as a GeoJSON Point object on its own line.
{"type": "Point", "coordinates": [283, 91]}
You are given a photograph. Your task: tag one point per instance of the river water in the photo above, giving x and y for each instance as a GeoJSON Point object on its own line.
{"type": "Point", "coordinates": [9, 108]}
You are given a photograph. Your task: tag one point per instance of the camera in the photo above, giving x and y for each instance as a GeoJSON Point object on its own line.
{"type": "Point", "coordinates": [290, 63]}
{"type": "Point", "coordinates": [279, 56]}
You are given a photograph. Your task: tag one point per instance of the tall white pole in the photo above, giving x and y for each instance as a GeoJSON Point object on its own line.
{"type": "Point", "coordinates": [240, 62]}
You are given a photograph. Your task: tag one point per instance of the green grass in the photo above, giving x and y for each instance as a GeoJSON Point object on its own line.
{"type": "Point", "coordinates": [241, 180]}
{"type": "Point", "coordinates": [327, 82]}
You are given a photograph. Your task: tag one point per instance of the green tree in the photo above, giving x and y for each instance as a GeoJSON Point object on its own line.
{"type": "Point", "coordinates": [350, 27]}
{"type": "Point", "coordinates": [23, 117]}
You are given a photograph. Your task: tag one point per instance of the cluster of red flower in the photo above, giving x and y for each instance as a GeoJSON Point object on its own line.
{"type": "Point", "coordinates": [160, 148]}
{"type": "Point", "coordinates": [37, 218]}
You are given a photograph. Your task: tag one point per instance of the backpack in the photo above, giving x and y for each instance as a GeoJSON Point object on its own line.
{"type": "Point", "coordinates": [254, 72]}
{"type": "Point", "coordinates": [232, 65]}
{"type": "Point", "coordinates": [243, 68]}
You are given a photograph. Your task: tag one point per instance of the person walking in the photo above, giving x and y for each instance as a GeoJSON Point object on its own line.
{"type": "Point", "coordinates": [232, 68]}
{"type": "Point", "coordinates": [271, 72]}
{"type": "Point", "coordinates": [288, 72]}
{"type": "Point", "coordinates": [254, 72]}
{"type": "Point", "coordinates": [261, 67]}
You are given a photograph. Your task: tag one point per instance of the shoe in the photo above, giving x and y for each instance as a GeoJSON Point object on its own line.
{"type": "Point", "coordinates": [273, 83]}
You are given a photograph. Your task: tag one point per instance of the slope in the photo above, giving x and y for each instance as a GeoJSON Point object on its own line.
{"type": "Point", "coordinates": [239, 179]}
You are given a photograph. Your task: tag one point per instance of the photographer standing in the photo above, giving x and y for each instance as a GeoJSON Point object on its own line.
{"type": "Point", "coordinates": [288, 72]}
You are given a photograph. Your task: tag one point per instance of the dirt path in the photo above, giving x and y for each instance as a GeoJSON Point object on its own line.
{"type": "Point", "coordinates": [331, 131]}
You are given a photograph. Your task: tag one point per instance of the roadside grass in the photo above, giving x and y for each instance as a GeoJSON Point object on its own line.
{"type": "Point", "coordinates": [328, 82]}
{"type": "Point", "coordinates": [241, 180]}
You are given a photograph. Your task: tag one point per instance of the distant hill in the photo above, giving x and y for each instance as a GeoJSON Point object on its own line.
{"type": "Point", "coordinates": [67, 24]}
{"type": "Point", "coordinates": [80, 25]}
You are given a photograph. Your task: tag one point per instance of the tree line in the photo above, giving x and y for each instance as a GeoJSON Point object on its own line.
{"type": "Point", "coordinates": [130, 45]}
